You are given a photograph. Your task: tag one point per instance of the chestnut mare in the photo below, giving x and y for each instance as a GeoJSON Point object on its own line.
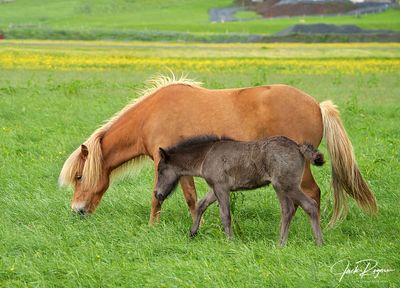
{"type": "Point", "coordinates": [175, 109]}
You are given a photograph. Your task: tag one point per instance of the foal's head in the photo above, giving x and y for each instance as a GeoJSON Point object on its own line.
{"type": "Point", "coordinates": [167, 176]}
{"type": "Point", "coordinates": [185, 158]}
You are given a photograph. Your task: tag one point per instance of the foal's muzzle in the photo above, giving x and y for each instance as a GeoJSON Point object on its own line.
{"type": "Point", "coordinates": [160, 197]}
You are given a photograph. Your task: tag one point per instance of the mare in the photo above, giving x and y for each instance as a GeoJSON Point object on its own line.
{"type": "Point", "coordinates": [227, 165]}
{"type": "Point", "coordinates": [175, 109]}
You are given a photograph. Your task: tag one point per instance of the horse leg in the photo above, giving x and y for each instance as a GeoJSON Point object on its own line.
{"type": "Point", "coordinates": [155, 209]}
{"type": "Point", "coordinates": [310, 187]}
{"type": "Point", "coordinates": [201, 207]}
{"type": "Point", "coordinates": [224, 209]}
{"type": "Point", "coordinates": [189, 191]}
{"type": "Point", "coordinates": [310, 207]}
{"type": "Point", "coordinates": [155, 204]}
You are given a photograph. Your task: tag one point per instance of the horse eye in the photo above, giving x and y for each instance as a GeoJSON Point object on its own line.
{"type": "Point", "coordinates": [79, 177]}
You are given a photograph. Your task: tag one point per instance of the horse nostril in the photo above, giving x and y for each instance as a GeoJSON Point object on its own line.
{"type": "Point", "coordinates": [79, 208]}
{"type": "Point", "coordinates": [81, 211]}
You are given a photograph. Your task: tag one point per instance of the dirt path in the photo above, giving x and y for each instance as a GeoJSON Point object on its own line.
{"type": "Point", "coordinates": [221, 15]}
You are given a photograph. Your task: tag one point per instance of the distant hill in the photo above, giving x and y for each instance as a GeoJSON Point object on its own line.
{"type": "Point", "coordinates": [290, 8]}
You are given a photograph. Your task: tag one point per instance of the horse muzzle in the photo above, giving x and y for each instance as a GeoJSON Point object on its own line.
{"type": "Point", "coordinates": [80, 208]}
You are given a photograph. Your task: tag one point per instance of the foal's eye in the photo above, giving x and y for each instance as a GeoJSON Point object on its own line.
{"type": "Point", "coordinates": [79, 177]}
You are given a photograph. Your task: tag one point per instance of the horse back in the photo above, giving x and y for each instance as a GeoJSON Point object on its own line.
{"type": "Point", "coordinates": [177, 112]}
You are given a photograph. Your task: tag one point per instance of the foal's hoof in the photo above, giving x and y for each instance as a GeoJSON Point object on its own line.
{"type": "Point", "coordinates": [193, 234]}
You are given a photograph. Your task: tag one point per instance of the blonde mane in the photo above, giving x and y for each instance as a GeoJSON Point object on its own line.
{"type": "Point", "coordinates": [92, 167]}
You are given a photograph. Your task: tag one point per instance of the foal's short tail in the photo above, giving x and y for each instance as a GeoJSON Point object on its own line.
{"type": "Point", "coordinates": [346, 177]}
{"type": "Point", "coordinates": [311, 154]}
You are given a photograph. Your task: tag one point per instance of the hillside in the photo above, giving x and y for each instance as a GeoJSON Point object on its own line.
{"type": "Point", "coordinates": [151, 20]}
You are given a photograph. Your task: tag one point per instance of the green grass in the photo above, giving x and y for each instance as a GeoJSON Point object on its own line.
{"type": "Point", "coordinates": [247, 15]}
{"type": "Point", "coordinates": [120, 19]}
{"type": "Point", "coordinates": [45, 114]}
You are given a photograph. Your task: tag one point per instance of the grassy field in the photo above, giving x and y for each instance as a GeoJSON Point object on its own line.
{"type": "Point", "coordinates": [53, 95]}
{"type": "Point", "coordinates": [120, 19]}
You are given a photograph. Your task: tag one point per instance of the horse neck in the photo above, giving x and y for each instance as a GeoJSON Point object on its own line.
{"type": "Point", "coordinates": [122, 141]}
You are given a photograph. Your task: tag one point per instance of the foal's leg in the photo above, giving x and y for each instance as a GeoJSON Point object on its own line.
{"type": "Point", "coordinates": [310, 187]}
{"type": "Point", "coordinates": [310, 206]}
{"type": "Point", "coordinates": [189, 191]}
{"type": "Point", "coordinates": [201, 207]}
{"type": "Point", "coordinates": [224, 209]}
{"type": "Point", "coordinates": [288, 210]}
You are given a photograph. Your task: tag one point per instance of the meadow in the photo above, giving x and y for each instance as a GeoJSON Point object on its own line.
{"type": "Point", "coordinates": [153, 19]}
{"type": "Point", "coordinates": [54, 94]}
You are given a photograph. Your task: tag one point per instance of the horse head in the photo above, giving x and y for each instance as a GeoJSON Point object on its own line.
{"type": "Point", "coordinates": [84, 171]}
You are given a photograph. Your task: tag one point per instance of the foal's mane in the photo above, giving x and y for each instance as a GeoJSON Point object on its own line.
{"type": "Point", "coordinates": [194, 141]}
{"type": "Point", "coordinates": [92, 167]}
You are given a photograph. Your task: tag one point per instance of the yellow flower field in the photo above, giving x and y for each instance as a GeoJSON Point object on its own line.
{"type": "Point", "coordinates": [103, 55]}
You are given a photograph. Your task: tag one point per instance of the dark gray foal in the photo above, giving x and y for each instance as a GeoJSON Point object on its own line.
{"type": "Point", "coordinates": [228, 165]}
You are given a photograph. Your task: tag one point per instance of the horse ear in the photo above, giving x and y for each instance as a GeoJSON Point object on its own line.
{"type": "Point", "coordinates": [84, 151]}
{"type": "Point", "coordinates": [163, 154]}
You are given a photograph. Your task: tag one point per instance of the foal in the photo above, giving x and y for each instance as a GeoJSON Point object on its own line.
{"type": "Point", "coordinates": [228, 165]}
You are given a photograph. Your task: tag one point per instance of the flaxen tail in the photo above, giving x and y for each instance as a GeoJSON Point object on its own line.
{"type": "Point", "coordinates": [311, 154]}
{"type": "Point", "coordinates": [346, 177]}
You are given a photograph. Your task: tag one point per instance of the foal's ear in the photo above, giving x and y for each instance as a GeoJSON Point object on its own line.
{"type": "Point", "coordinates": [84, 151]}
{"type": "Point", "coordinates": [163, 154]}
